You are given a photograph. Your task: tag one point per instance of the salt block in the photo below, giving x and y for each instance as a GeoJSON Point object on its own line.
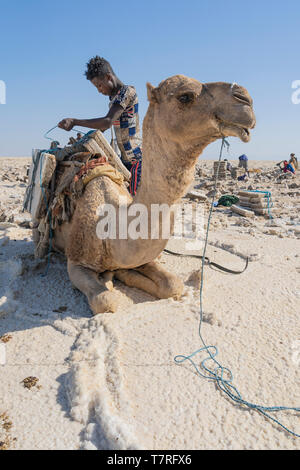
{"type": "Point", "coordinates": [244, 200]}
{"type": "Point", "coordinates": [242, 211]}
{"type": "Point", "coordinates": [196, 195]}
{"type": "Point", "coordinates": [261, 211]}
{"type": "Point", "coordinates": [251, 194]}
{"type": "Point", "coordinates": [41, 171]}
{"type": "Point", "coordinates": [259, 206]}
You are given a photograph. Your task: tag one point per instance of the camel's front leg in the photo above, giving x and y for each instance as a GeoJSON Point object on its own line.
{"type": "Point", "coordinates": [154, 279]}
{"type": "Point", "coordinates": [101, 295]}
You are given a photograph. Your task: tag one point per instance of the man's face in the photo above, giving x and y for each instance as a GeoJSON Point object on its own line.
{"type": "Point", "coordinates": [104, 84]}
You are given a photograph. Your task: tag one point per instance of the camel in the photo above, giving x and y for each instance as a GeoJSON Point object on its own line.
{"type": "Point", "coordinates": [183, 117]}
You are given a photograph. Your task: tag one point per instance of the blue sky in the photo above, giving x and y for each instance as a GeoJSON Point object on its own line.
{"type": "Point", "coordinates": [45, 46]}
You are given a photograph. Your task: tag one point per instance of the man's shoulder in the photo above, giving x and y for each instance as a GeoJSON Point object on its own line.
{"type": "Point", "coordinates": [127, 89]}
{"type": "Point", "coordinates": [127, 93]}
{"type": "Point", "coordinates": [130, 89]}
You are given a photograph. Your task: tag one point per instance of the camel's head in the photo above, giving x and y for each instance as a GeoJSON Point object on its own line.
{"type": "Point", "coordinates": [187, 111]}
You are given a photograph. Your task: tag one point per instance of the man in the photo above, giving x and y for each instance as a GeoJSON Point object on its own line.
{"type": "Point", "coordinates": [122, 114]}
{"type": "Point", "coordinates": [228, 165]}
{"type": "Point", "coordinates": [243, 163]}
{"type": "Point", "coordinates": [293, 161]}
{"type": "Point", "coordinates": [288, 167]}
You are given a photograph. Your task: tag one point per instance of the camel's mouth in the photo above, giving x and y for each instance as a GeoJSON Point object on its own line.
{"type": "Point", "coordinates": [245, 134]}
{"type": "Point", "coordinates": [230, 129]}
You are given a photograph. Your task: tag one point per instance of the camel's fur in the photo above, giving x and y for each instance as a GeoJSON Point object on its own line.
{"type": "Point", "coordinates": [174, 135]}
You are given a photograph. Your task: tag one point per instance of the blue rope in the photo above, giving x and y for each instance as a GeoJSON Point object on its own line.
{"type": "Point", "coordinates": [269, 196]}
{"type": "Point", "coordinates": [52, 128]}
{"type": "Point", "coordinates": [223, 376]}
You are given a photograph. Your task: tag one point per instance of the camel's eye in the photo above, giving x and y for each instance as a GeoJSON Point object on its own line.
{"type": "Point", "coordinates": [186, 98]}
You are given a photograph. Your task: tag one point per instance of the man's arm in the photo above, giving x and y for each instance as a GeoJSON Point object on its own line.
{"type": "Point", "coordinates": [99, 123]}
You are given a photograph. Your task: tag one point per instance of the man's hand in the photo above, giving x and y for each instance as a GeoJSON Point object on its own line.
{"type": "Point", "coordinates": [67, 124]}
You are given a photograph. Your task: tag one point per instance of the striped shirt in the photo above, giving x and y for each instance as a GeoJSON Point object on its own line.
{"type": "Point", "coordinates": [127, 127]}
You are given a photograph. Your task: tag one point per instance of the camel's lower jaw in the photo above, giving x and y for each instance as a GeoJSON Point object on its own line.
{"type": "Point", "coordinates": [232, 130]}
{"type": "Point", "coordinates": [245, 135]}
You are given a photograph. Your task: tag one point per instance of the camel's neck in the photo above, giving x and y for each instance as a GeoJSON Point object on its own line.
{"type": "Point", "coordinates": [167, 167]}
{"type": "Point", "coordinates": [167, 172]}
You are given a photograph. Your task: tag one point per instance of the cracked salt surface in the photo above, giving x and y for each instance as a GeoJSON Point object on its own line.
{"type": "Point", "coordinates": [111, 381]}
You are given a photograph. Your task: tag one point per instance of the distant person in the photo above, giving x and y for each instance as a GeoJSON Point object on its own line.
{"type": "Point", "coordinates": [293, 161]}
{"type": "Point", "coordinates": [228, 165]}
{"type": "Point", "coordinates": [243, 163]}
{"type": "Point", "coordinates": [288, 167]}
{"type": "Point", "coordinates": [79, 136]}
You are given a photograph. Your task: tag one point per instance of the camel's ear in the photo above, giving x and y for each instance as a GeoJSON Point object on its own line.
{"type": "Point", "coordinates": [152, 93]}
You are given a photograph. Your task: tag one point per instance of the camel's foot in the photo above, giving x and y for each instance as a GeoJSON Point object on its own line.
{"type": "Point", "coordinates": [154, 279]}
{"type": "Point", "coordinates": [101, 295]}
{"type": "Point", "coordinates": [107, 301]}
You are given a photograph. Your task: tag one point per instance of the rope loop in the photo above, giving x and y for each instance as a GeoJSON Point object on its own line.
{"type": "Point", "coordinates": [223, 376]}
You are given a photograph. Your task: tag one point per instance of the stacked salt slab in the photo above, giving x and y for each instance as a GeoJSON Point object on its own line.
{"type": "Point", "coordinates": [37, 192]}
{"type": "Point", "coordinates": [222, 175]}
{"type": "Point", "coordinates": [251, 203]}
{"type": "Point", "coordinates": [236, 172]}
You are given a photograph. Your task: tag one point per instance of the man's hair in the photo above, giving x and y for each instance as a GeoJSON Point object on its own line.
{"type": "Point", "coordinates": [98, 67]}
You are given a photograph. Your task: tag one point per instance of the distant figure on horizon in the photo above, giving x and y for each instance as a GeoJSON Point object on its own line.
{"type": "Point", "coordinates": [228, 165]}
{"type": "Point", "coordinates": [293, 161]}
{"type": "Point", "coordinates": [243, 163]}
{"type": "Point", "coordinates": [288, 167]}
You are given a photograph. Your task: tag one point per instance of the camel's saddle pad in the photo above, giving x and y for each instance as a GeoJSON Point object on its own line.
{"type": "Point", "coordinates": [44, 163]}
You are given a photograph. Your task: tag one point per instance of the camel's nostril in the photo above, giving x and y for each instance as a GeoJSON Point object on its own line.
{"type": "Point", "coordinates": [242, 98]}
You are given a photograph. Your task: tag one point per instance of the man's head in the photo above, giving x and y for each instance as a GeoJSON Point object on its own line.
{"type": "Point", "coordinates": [101, 74]}
{"type": "Point", "coordinates": [292, 154]}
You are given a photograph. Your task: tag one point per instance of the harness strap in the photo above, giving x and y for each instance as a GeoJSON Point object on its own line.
{"type": "Point", "coordinates": [210, 263]}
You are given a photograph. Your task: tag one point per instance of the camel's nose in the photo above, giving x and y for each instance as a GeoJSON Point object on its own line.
{"type": "Point", "coordinates": [241, 94]}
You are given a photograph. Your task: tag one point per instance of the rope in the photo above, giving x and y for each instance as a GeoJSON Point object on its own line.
{"type": "Point", "coordinates": [269, 196]}
{"type": "Point", "coordinates": [207, 260]}
{"type": "Point", "coordinates": [222, 376]}
{"type": "Point", "coordinates": [52, 128]}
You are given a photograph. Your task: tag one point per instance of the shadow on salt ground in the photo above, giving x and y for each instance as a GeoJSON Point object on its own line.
{"type": "Point", "coordinates": [33, 297]}
{"type": "Point", "coordinates": [62, 395]}
{"type": "Point", "coordinates": [36, 294]}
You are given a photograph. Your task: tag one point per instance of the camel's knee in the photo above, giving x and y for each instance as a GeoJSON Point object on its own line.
{"type": "Point", "coordinates": [167, 284]}
{"type": "Point", "coordinates": [171, 286]}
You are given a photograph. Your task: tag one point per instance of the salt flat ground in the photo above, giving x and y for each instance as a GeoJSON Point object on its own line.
{"type": "Point", "coordinates": [110, 381]}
